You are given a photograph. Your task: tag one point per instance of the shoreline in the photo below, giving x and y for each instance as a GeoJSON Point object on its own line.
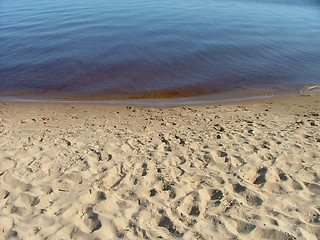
{"type": "Point", "coordinates": [245, 170]}
{"type": "Point", "coordinates": [168, 102]}
{"type": "Point", "coordinates": [173, 101]}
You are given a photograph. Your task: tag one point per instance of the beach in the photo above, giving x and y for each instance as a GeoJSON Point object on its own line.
{"type": "Point", "coordinates": [242, 170]}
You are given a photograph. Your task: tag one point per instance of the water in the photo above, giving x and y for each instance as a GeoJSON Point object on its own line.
{"type": "Point", "coordinates": [103, 49]}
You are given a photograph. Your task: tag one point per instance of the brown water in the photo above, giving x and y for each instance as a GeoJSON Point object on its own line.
{"type": "Point", "coordinates": [157, 49]}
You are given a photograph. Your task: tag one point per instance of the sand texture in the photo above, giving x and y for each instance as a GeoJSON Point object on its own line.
{"type": "Point", "coordinates": [86, 171]}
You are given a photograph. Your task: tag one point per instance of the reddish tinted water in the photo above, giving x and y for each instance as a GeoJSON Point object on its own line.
{"type": "Point", "coordinates": [106, 49]}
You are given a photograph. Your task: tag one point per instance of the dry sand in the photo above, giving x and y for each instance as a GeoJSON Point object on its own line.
{"type": "Point", "coordinates": [246, 170]}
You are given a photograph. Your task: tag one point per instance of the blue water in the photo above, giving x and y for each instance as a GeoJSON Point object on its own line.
{"type": "Point", "coordinates": [192, 47]}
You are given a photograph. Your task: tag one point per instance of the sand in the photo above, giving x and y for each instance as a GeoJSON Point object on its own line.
{"type": "Point", "coordinates": [247, 170]}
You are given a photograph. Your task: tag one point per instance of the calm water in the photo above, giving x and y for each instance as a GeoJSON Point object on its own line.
{"type": "Point", "coordinates": [186, 47]}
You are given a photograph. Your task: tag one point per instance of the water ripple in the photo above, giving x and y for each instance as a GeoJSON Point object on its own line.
{"type": "Point", "coordinates": [62, 48]}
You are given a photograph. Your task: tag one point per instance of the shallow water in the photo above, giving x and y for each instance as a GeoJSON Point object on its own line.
{"type": "Point", "coordinates": [137, 48]}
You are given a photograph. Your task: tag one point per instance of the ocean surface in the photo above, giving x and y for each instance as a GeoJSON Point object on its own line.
{"type": "Point", "coordinates": [102, 49]}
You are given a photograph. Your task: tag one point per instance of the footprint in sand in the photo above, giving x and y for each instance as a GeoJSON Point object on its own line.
{"type": "Point", "coordinates": [169, 187]}
{"type": "Point", "coordinates": [91, 220]}
{"type": "Point", "coordinates": [17, 184]}
{"type": "Point", "coordinates": [144, 167]}
{"type": "Point", "coordinates": [20, 211]}
{"type": "Point", "coordinates": [216, 195]}
{"type": "Point", "coordinates": [195, 211]}
{"type": "Point", "coordinates": [313, 187]}
{"type": "Point", "coordinates": [166, 223]}
{"type": "Point", "coordinates": [4, 193]}
{"type": "Point", "coordinates": [251, 198]}
{"type": "Point", "coordinates": [283, 176]}
{"type": "Point", "coordinates": [244, 227]}
{"type": "Point", "coordinates": [238, 188]}
{"type": "Point", "coordinates": [265, 233]}
{"type": "Point", "coordinates": [153, 192]}
{"type": "Point", "coordinates": [166, 142]}
{"type": "Point", "coordinates": [25, 199]}
{"type": "Point", "coordinates": [241, 226]}
{"type": "Point", "coordinates": [261, 179]}
{"type": "Point", "coordinates": [74, 178]}
{"type": "Point", "coordinates": [254, 200]}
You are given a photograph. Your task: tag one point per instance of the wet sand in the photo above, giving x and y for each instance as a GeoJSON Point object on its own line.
{"type": "Point", "coordinates": [246, 170]}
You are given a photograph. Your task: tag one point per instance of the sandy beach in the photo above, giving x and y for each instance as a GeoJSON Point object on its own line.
{"type": "Point", "coordinates": [248, 170]}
